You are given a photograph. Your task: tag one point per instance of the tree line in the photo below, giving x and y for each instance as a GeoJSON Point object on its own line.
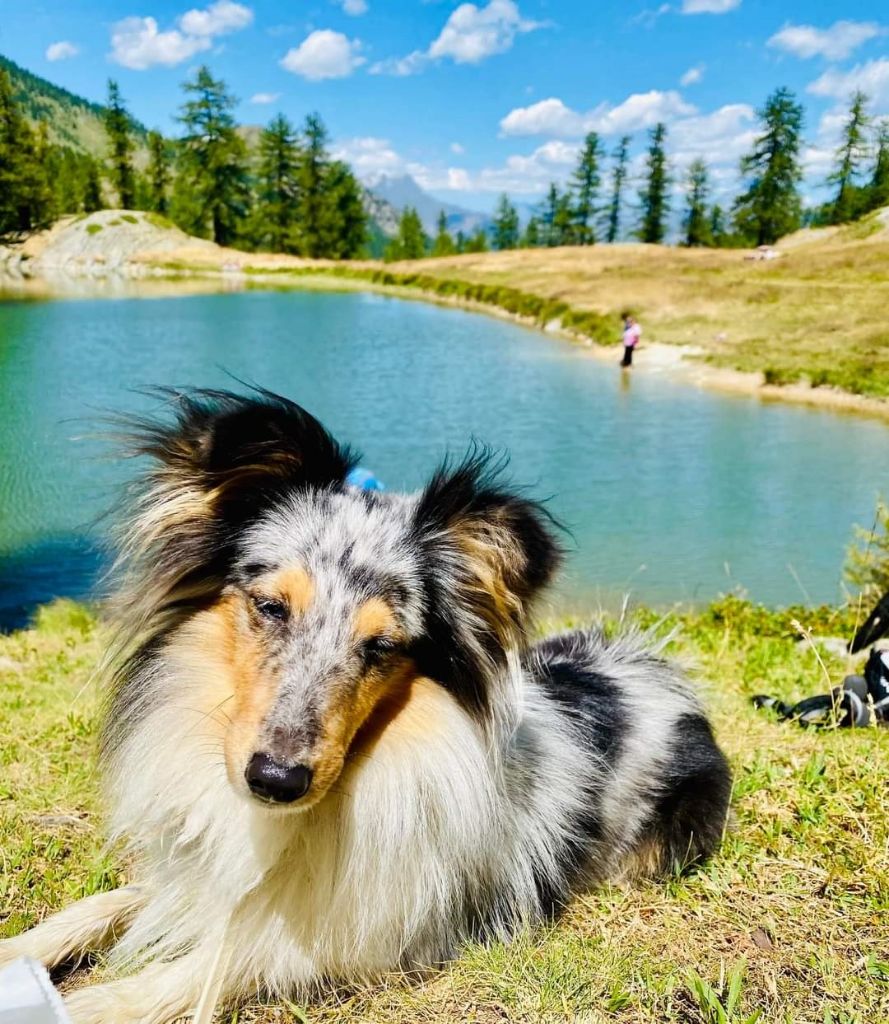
{"type": "Point", "coordinates": [284, 194]}
{"type": "Point", "coordinates": [593, 205]}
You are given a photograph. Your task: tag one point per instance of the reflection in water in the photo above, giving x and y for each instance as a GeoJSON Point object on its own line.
{"type": "Point", "coordinates": [32, 577]}
{"type": "Point", "coordinates": [660, 484]}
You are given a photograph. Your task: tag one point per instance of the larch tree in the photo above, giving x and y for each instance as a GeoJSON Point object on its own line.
{"type": "Point", "coordinates": [878, 186]}
{"type": "Point", "coordinates": [621, 159]}
{"type": "Point", "coordinates": [505, 229]}
{"type": "Point", "coordinates": [277, 188]}
{"type": "Point", "coordinates": [410, 242]}
{"type": "Point", "coordinates": [212, 194]}
{"type": "Point", "coordinates": [443, 243]}
{"type": "Point", "coordinates": [157, 174]}
{"type": "Point", "coordinates": [850, 156]}
{"type": "Point", "coordinates": [119, 129]}
{"type": "Point", "coordinates": [696, 223]}
{"type": "Point", "coordinates": [585, 187]}
{"type": "Point", "coordinates": [655, 194]}
{"type": "Point", "coordinates": [771, 206]}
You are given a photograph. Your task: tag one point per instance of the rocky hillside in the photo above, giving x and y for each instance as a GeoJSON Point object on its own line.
{"type": "Point", "coordinates": [95, 244]}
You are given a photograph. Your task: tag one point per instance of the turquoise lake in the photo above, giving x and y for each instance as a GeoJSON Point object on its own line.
{"type": "Point", "coordinates": [669, 493]}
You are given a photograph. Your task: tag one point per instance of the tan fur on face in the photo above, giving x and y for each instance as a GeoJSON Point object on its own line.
{"type": "Point", "coordinates": [294, 586]}
{"type": "Point", "coordinates": [374, 618]}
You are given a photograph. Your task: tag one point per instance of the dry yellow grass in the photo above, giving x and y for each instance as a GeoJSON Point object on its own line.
{"type": "Point", "coordinates": [817, 314]}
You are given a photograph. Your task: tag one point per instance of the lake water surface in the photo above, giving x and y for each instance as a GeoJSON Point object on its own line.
{"type": "Point", "coordinates": [669, 492]}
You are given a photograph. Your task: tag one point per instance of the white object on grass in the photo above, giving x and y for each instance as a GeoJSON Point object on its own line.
{"type": "Point", "coordinates": [27, 996]}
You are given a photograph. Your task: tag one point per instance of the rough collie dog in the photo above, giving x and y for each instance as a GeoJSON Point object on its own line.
{"type": "Point", "coordinates": [331, 747]}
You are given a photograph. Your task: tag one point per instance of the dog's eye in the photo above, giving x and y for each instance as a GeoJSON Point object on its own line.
{"type": "Point", "coordinates": [269, 608]}
{"type": "Point", "coordinates": [377, 647]}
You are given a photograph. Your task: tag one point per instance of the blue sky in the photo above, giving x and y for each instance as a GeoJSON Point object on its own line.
{"type": "Point", "coordinates": [475, 99]}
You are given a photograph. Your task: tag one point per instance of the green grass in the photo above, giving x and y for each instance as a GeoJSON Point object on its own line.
{"type": "Point", "coordinates": [93, 229]}
{"type": "Point", "coordinates": [786, 924]}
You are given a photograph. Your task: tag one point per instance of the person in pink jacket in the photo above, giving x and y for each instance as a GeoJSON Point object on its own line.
{"type": "Point", "coordinates": [632, 334]}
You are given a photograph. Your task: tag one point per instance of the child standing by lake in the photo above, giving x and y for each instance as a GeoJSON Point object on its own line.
{"type": "Point", "coordinates": [632, 334]}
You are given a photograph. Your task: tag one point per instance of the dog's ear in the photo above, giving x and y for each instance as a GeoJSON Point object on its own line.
{"type": "Point", "coordinates": [234, 455]}
{"type": "Point", "coordinates": [489, 553]}
{"type": "Point", "coordinates": [218, 463]}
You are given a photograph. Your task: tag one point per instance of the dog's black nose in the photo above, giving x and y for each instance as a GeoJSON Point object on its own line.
{"type": "Point", "coordinates": [277, 782]}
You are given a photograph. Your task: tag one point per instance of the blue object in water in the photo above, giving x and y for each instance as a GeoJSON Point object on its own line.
{"type": "Point", "coordinates": [364, 480]}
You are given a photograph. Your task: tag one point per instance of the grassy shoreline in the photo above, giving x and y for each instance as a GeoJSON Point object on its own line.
{"type": "Point", "coordinates": [807, 328]}
{"type": "Point", "coordinates": [794, 903]}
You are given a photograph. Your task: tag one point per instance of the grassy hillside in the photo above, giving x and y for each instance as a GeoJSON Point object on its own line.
{"type": "Point", "coordinates": [793, 908]}
{"type": "Point", "coordinates": [817, 315]}
{"type": "Point", "coordinates": [72, 120]}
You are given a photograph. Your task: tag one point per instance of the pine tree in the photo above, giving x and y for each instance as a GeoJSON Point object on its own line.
{"type": "Point", "coordinates": [531, 237]}
{"type": "Point", "coordinates": [92, 198]}
{"type": "Point", "coordinates": [878, 187]}
{"type": "Point", "coordinates": [585, 185]}
{"type": "Point", "coordinates": [771, 206]}
{"type": "Point", "coordinates": [695, 222]}
{"type": "Point", "coordinates": [563, 227]}
{"type": "Point", "coordinates": [119, 128]}
{"type": "Point", "coordinates": [443, 245]}
{"type": "Point", "coordinates": [410, 242]}
{"type": "Point", "coordinates": [549, 216]}
{"type": "Point", "coordinates": [506, 224]}
{"type": "Point", "coordinates": [621, 158]}
{"type": "Point", "coordinates": [158, 173]}
{"type": "Point", "coordinates": [348, 231]}
{"type": "Point", "coordinates": [460, 242]}
{"type": "Point", "coordinates": [655, 195]}
{"type": "Point", "coordinates": [212, 194]}
{"type": "Point", "coordinates": [330, 218]}
{"type": "Point", "coordinates": [277, 195]}
{"type": "Point", "coordinates": [17, 158]}
{"type": "Point", "coordinates": [477, 241]}
{"type": "Point", "coordinates": [717, 227]}
{"type": "Point", "coordinates": [850, 156]}
{"type": "Point", "coordinates": [313, 221]}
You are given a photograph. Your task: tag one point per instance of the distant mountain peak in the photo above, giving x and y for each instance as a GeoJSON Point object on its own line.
{"type": "Point", "coordinates": [402, 190]}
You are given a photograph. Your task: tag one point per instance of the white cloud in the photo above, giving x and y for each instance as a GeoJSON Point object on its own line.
{"type": "Point", "coordinates": [473, 33]}
{"type": "Point", "coordinates": [649, 17]}
{"type": "Point", "coordinates": [552, 117]}
{"type": "Point", "coordinates": [457, 148]}
{"type": "Point", "coordinates": [265, 97]}
{"type": "Point", "coordinates": [324, 54]}
{"type": "Point", "coordinates": [61, 50]}
{"type": "Point", "coordinates": [353, 7]}
{"type": "Point", "coordinates": [546, 117]}
{"type": "Point", "coordinates": [401, 67]}
{"type": "Point", "coordinates": [871, 78]}
{"type": "Point", "coordinates": [370, 157]}
{"type": "Point", "coordinates": [219, 19]}
{"type": "Point", "coordinates": [137, 43]}
{"type": "Point", "coordinates": [709, 6]}
{"type": "Point", "coordinates": [470, 35]}
{"type": "Point", "coordinates": [720, 137]}
{"type": "Point", "coordinates": [834, 43]}
{"type": "Point", "coordinates": [693, 75]}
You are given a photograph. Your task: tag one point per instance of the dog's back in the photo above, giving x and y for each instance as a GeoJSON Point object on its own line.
{"type": "Point", "coordinates": [659, 801]}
